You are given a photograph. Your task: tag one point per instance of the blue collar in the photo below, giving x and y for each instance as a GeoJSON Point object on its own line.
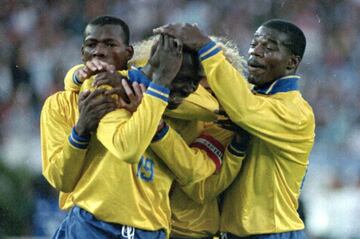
{"type": "Point", "coordinates": [284, 84]}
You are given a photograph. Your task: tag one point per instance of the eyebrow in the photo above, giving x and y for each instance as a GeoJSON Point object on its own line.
{"type": "Point", "coordinates": [268, 39]}
{"type": "Point", "coordinates": [101, 40]}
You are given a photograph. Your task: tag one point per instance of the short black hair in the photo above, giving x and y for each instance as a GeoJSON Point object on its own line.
{"type": "Point", "coordinates": [110, 20]}
{"type": "Point", "coordinates": [297, 40]}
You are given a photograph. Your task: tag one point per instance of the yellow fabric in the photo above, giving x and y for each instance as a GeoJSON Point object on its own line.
{"type": "Point", "coordinates": [267, 189]}
{"type": "Point", "coordinates": [192, 218]}
{"type": "Point", "coordinates": [200, 105]}
{"type": "Point", "coordinates": [111, 183]}
{"type": "Point", "coordinates": [57, 120]}
{"type": "Point", "coordinates": [69, 84]}
{"type": "Point", "coordinates": [122, 178]}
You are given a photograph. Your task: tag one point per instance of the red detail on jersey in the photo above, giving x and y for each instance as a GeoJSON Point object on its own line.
{"type": "Point", "coordinates": [213, 148]}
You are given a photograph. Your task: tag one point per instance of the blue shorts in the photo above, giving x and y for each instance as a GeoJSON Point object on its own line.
{"type": "Point", "coordinates": [191, 238]}
{"type": "Point", "coordinates": [284, 235]}
{"type": "Point", "coordinates": [82, 224]}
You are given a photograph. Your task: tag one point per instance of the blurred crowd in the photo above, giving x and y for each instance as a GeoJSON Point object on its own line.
{"type": "Point", "coordinates": [41, 39]}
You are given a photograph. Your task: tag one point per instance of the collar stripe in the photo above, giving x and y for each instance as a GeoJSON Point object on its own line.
{"type": "Point", "coordinates": [284, 84]}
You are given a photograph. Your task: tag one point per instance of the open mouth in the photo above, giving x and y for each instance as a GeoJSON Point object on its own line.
{"type": "Point", "coordinates": [255, 66]}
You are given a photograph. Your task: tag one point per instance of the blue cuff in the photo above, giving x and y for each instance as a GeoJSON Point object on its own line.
{"type": "Point", "coordinates": [76, 80]}
{"type": "Point", "coordinates": [139, 77]}
{"type": "Point", "coordinates": [158, 91]}
{"type": "Point", "coordinates": [236, 148]}
{"type": "Point", "coordinates": [208, 51]}
{"type": "Point", "coordinates": [77, 141]}
{"type": "Point", "coordinates": [160, 134]}
{"type": "Point", "coordinates": [207, 47]}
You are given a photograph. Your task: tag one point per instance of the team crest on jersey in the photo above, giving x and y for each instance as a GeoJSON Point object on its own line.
{"type": "Point", "coordinates": [145, 169]}
{"type": "Point", "coordinates": [213, 148]}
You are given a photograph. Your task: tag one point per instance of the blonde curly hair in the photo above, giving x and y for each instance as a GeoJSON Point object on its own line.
{"type": "Point", "coordinates": [142, 51]}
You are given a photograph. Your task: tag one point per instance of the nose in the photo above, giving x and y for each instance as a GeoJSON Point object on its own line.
{"type": "Point", "coordinates": [256, 50]}
{"type": "Point", "coordinates": [99, 50]}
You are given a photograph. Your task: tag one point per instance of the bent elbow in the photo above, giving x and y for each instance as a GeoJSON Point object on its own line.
{"type": "Point", "coordinates": [130, 157]}
{"type": "Point", "coordinates": [59, 183]}
{"type": "Point", "coordinates": [67, 188]}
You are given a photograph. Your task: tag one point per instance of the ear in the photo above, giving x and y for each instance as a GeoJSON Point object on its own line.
{"type": "Point", "coordinates": [293, 63]}
{"type": "Point", "coordinates": [130, 52]}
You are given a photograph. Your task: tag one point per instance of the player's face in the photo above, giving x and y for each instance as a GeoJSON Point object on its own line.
{"type": "Point", "coordinates": [185, 82]}
{"type": "Point", "coordinates": [268, 56]}
{"type": "Point", "coordinates": [106, 43]}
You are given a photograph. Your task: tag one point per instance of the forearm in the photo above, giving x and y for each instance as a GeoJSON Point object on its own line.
{"type": "Point", "coordinates": [64, 166]}
{"type": "Point", "coordinates": [200, 105]}
{"type": "Point", "coordinates": [128, 135]}
{"type": "Point", "coordinates": [249, 110]}
{"type": "Point", "coordinates": [188, 164]}
{"type": "Point", "coordinates": [208, 189]}
{"type": "Point", "coordinates": [227, 83]}
{"type": "Point", "coordinates": [71, 81]}
{"type": "Point", "coordinates": [63, 152]}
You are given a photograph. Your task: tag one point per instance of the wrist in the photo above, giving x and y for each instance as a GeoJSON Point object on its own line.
{"type": "Point", "coordinates": [203, 43]}
{"type": "Point", "coordinates": [147, 70]}
{"type": "Point", "coordinates": [159, 80]}
{"type": "Point", "coordinates": [81, 131]}
{"type": "Point", "coordinates": [77, 141]}
{"type": "Point", "coordinates": [76, 78]}
{"type": "Point", "coordinates": [163, 128]}
{"type": "Point", "coordinates": [239, 144]}
{"type": "Point", "coordinates": [160, 126]}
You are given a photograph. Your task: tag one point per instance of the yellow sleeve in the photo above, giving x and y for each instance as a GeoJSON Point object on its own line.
{"type": "Point", "coordinates": [200, 105]}
{"type": "Point", "coordinates": [208, 189]}
{"type": "Point", "coordinates": [63, 154]}
{"type": "Point", "coordinates": [72, 83]}
{"type": "Point", "coordinates": [285, 118]}
{"type": "Point", "coordinates": [127, 136]}
{"type": "Point", "coordinates": [189, 163]}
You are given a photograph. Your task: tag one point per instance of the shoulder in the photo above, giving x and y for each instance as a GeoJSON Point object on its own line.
{"type": "Point", "coordinates": [62, 101]}
{"type": "Point", "coordinates": [297, 107]}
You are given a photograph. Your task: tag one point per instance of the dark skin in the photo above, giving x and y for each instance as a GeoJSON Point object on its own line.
{"type": "Point", "coordinates": [92, 107]}
{"type": "Point", "coordinates": [106, 43]}
{"type": "Point", "coordinates": [241, 136]}
{"type": "Point", "coordinates": [269, 58]}
{"type": "Point", "coordinates": [103, 52]}
{"type": "Point", "coordinates": [105, 75]}
{"type": "Point", "coordinates": [186, 80]}
{"type": "Point", "coordinates": [166, 61]}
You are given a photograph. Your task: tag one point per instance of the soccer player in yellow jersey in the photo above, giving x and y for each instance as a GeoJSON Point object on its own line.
{"type": "Point", "coordinates": [198, 216]}
{"type": "Point", "coordinates": [190, 219]}
{"type": "Point", "coordinates": [262, 202]}
{"type": "Point", "coordinates": [109, 184]}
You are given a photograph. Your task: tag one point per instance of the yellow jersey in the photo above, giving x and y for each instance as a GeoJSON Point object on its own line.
{"type": "Point", "coordinates": [264, 196]}
{"type": "Point", "coordinates": [113, 174]}
{"type": "Point", "coordinates": [195, 209]}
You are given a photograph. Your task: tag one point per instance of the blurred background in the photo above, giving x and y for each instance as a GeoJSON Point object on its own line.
{"type": "Point", "coordinates": [41, 39]}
